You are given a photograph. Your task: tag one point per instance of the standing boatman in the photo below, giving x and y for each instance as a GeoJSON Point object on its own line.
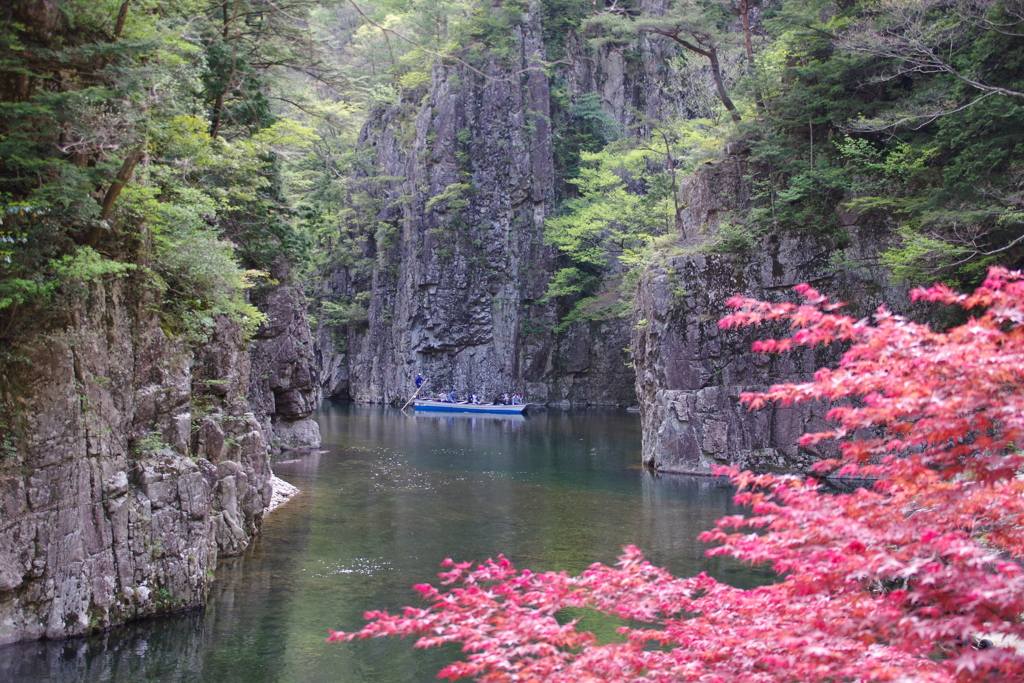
{"type": "Point", "coordinates": [419, 384]}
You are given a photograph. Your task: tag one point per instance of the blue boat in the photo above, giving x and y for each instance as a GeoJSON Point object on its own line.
{"type": "Point", "coordinates": [427, 405]}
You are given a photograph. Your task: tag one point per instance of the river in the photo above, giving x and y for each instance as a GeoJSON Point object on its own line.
{"type": "Point", "coordinates": [388, 497]}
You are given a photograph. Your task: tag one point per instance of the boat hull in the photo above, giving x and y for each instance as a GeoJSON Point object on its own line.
{"type": "Point", "coordinates": [492, 409]}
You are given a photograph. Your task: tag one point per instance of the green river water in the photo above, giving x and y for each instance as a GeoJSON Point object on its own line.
{"type": "Point", "coordinates": [388, 497]}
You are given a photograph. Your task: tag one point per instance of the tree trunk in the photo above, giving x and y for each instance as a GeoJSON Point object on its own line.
{"type": "Point", "coordinates": [123, 176]}
{"type": "Point", "coordinates": [745, 18]}
{"type": "Point", "coordinates": [716, 73]}
{"type": "Point", "coordinates": [92, 237]}
{"type": "Point", "coordinates": [711, 52]}
{"type": "Point", "coordinates": [218, 109]}
{"type": "Point", "coordinates": [121, 16]}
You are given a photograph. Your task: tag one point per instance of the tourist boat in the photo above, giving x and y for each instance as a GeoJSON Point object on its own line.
{"type": "Point", "coordinates": [428, 405]}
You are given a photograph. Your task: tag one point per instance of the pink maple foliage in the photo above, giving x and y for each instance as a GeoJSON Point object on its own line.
{"type": "Point", "coordinates": [916, 578]}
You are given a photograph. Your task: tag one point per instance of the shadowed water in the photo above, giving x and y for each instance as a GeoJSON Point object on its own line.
{"type": "Point", "coordinates": [386, 500]}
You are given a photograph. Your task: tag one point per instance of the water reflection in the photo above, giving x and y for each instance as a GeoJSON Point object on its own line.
{"type": "Point", "coordinates": [474, 419]}
{"type": "Point", "coordinates": [389, 498]}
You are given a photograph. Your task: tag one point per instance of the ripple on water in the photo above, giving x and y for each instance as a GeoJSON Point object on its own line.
{"type": "Point", "coordinates": [365, 566]}
{"type": "Point", "coordinates": [392, 473]}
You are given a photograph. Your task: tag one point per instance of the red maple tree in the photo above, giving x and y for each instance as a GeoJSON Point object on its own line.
{"type": "Point", "coordinates": [916, 578]}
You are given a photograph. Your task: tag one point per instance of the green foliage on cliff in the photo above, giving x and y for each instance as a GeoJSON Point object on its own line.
{"type": "Point", "coordinates": [351, 312]}
{"type": "Point", "coordinates": [561, 20]}
{"type": "Point", "coordinates": [140, 138]}
{"type": "Point", "coordinates": [624, 200]}
{"type": "Point", "coordinates": [887, 110]}
{"type": "Point", "coordinates": [196, 140]}
{"type": "Point", "coordinates": [906, 110]}
{"type": "Point", "coordinates": [907, 113]}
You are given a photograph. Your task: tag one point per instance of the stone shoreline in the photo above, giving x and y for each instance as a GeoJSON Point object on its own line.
{"type": "Point", "coordinates": [282, 492]}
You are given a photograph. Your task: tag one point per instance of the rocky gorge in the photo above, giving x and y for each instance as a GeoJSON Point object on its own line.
{"type": "Point", "coordinates": [135, 458]}
{"type": "Point", "coordinates": [455, 275]}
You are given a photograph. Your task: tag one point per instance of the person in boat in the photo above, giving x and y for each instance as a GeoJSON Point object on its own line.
{"type": "Point", "coordinates": [452, 398]}
{"type": "Point", "coordinates": [517, 399]}
{"type": "Point", "coordinates": [419, 380]}
{"type": "Point", "coordinates": [504, 399]}
{"type": "Point", "coordinates": [473, 399]}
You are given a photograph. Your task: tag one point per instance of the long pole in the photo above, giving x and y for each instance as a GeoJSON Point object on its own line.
{"type": "Point", "coordinates": [416, 393]}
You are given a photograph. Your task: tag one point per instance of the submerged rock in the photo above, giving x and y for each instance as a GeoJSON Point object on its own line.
{"type": "Point", "coordinates": [282, 493]}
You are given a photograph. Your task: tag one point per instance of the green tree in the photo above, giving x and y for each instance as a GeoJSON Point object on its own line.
{"type": "Point", "coordinates": [625, 199]}
{"type": "Point", "coordinates": [904, 110]}
{"type": "Point", "coordinates": [108, 110]}
{"type": "Point", "coordinates": [954, 177]}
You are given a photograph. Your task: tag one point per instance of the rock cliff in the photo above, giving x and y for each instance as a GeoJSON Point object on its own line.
{"type": "Point", "coordinates": [133, 449]}
{"type": "Point", "coordinates": [451, 281]}
{"type": "Point", "coordinates": [690, 373]}
{"type": "Point", "coordinates": [282, 390]}
{"type": "Point", "coordinates": [454, 274]}
{"type": "Point", "coordinates": [130, 463]}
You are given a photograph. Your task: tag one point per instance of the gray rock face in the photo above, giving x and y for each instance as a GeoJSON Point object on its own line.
{"type": "Point", "coordinates": [458, 265]}
{"type": "Point", "coordinates": [690, 373]}
{"type": "Point", "coordinates": [140, 464]}
{"type": "Point", "coordinates": [283, 389]}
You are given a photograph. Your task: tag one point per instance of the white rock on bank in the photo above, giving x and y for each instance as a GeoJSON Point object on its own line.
{"type": "Point", "coordinates": [282, 492]}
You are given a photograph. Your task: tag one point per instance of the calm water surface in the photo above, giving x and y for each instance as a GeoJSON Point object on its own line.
{"type": "Point", "coordinates": [388, 498]}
